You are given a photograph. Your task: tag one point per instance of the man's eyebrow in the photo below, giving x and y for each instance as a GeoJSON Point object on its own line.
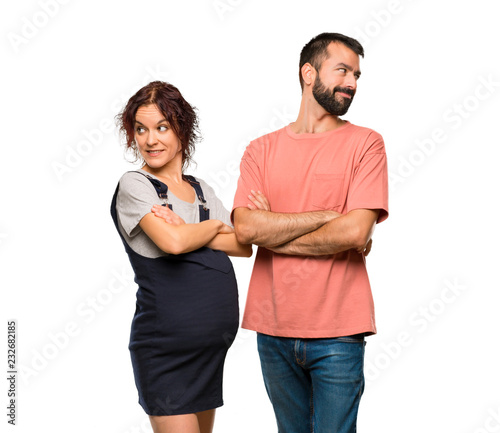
{"type": "Point", "coordinates": [348, 67]}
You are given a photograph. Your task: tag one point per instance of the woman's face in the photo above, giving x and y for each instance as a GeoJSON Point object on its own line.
{"type": "Point", "coordinates": [156, 141]}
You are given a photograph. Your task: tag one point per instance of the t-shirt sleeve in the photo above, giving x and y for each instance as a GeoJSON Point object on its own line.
{"type": "Point", "coordinates": [250, 178]}
{"type": "Point", "coordinates": [217, 209]}
{"type": "Point", "coordinates": [136, 196]}
{"type": "Point", "coordinates": [369, 186]}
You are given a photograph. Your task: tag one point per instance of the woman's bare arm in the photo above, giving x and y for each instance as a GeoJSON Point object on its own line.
{"type": "Point", "coordinates": [183, 238]}
{"type": "Point", "coordinates": [229, 244]}
{"type": "Point", "coordinates": [224, 240]}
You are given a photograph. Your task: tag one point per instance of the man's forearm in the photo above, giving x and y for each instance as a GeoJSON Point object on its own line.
{"type": "Point", "coordinates": [270, 229]}
{"type": "Point", "coordinates": [341, 234]}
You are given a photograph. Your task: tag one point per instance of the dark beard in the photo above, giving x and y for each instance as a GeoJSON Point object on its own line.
{"type": "Point", "coordinates": [326, 98]}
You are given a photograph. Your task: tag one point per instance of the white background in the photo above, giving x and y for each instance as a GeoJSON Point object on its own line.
{"type": "Point", "coordinates": [66, 71]}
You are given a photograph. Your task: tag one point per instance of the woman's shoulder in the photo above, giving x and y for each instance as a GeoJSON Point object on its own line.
{"type": "Point", "coordinates": [134, 176]}
{"type": "Point", "coordinates": [135, 181]}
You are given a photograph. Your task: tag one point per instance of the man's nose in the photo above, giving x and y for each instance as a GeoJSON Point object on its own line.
{"type": "Point", "coordinates": [350, 81]}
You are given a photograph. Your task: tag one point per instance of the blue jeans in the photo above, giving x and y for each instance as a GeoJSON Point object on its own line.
{"type": "Point", "coordinates": [314, 384]}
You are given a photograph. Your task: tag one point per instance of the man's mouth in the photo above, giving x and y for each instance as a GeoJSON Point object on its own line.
{"type": "Point", "coordinates": [345, 95]}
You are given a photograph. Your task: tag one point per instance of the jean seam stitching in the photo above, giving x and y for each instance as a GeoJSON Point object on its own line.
{"type": "Point", "coordinates": [298, 360]}
{"type": "Point", "coordinates": [311, 410]}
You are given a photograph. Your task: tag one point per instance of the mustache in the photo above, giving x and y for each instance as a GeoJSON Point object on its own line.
{"type": "Point", "coordinates": [346, 90]}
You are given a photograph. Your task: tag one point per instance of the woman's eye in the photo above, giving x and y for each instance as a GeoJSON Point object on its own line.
{"type": "Point", "coordinates": [162, 128]}
{"type": "Point", "coordinates": [139, 129]}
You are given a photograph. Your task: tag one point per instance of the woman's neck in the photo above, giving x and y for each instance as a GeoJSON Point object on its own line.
{"type": "Point", "coordinates": [171, 171]}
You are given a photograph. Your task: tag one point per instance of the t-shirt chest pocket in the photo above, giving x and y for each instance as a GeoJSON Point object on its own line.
{"type": "Point", "coordinates": [328, 191]}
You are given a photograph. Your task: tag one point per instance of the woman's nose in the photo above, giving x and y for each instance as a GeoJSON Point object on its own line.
{"type": "Point", "coordinates": [152, 139]}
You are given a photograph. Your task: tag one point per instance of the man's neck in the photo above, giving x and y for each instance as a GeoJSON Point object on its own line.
{"type": "Point", "coordinates": [313, 119]}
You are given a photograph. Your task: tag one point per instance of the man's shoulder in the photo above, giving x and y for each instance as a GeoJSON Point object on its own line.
{"type": "Point", "coordinates": [270, 137]}
{"type": "Point", "coordinates": [260, 145]}
{"type": "Point", "coordinates": [363, 131]}
{"type": "Point", "coordinates": [365, 140]}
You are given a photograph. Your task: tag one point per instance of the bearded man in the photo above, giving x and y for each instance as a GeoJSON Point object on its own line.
{"type": "Point", "coordinates": [309, 195]}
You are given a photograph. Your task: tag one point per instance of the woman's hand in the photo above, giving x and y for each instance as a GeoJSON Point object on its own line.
{"type": "Point", "coordinates": [167, 214]}
{"type": "Point", "coordinates": [259, 201]}
{"type": "Point", "coordinates": [226, 241]}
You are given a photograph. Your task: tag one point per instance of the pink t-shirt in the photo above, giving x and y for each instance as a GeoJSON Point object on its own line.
{"type": "Point", "coordinates": [340, 170]}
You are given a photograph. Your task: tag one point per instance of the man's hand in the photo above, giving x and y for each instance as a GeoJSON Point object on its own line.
{"type": "Point", "coordinates": [167, 214]}
{"type": "Point", "coordinates": [259, 201]}
{"type": "Point", "coordinates": [366, 249]}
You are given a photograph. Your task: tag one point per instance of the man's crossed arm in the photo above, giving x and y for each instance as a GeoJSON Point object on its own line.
{"type": "Point", "coordinates": [306, 233]}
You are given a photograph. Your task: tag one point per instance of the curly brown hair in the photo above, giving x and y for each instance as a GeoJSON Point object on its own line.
{"type": "Point", "coordinates": [178, 112]}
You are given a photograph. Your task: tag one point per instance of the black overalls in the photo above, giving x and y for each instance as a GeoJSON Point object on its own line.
{"type": "Point", "coordinates": [185, 321]}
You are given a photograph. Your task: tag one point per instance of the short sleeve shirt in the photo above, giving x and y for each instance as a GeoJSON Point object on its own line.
{"type": "Point", "coordinates": [340, 170]}
{"type": "Point", "coordinates": [136, 197]}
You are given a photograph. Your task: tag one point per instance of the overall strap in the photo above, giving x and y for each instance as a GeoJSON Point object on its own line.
{"type": "Point", "coordinates": [204, 211]}
{"type": "Point", "coordinates": [161, 189]}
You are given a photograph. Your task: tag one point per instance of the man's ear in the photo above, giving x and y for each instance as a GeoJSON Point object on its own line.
{"type": "Point", "coordinates": [308, 74]}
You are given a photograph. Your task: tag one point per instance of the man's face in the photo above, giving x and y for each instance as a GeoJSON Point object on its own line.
{"type": "Point", "coordinates": [336, 81]}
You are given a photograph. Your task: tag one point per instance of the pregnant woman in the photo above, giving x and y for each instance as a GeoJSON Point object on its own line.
{"type": "Point", "coordinates": [177, 235]}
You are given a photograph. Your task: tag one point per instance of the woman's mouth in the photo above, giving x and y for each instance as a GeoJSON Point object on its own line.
{"type": "Point", "coordinates": [154, 152]}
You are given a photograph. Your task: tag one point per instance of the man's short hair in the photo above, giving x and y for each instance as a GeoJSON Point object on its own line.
{"type": "Point", "coordinates": [316, 50]}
